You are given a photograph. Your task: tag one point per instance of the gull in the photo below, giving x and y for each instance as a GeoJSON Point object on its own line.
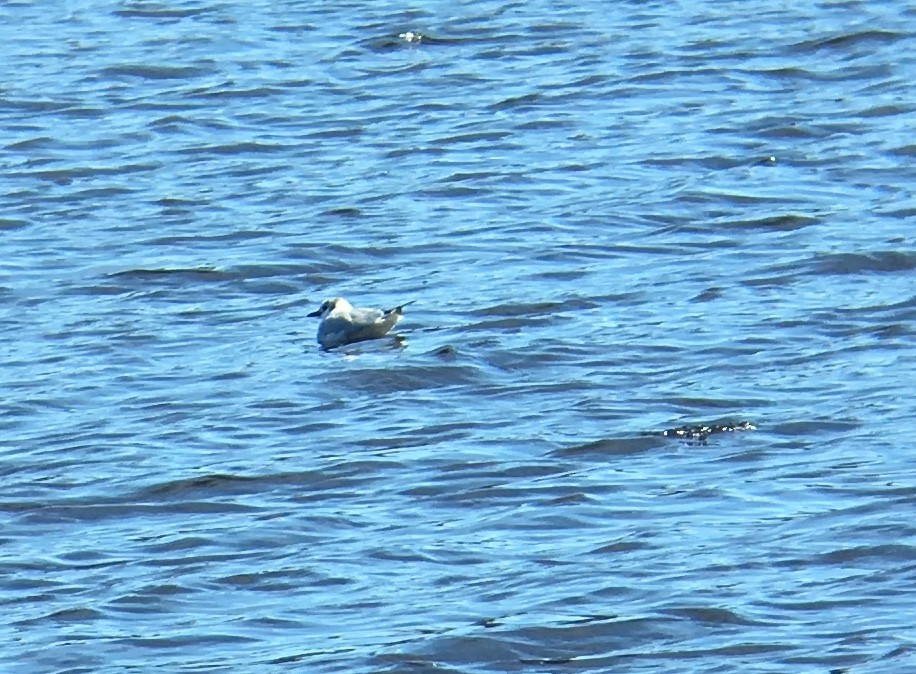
{"type": "Point", "coordinates": [342, 323]}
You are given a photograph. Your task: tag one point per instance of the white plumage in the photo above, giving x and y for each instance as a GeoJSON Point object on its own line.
{"type": "Point", "coordinates": [342, 323]}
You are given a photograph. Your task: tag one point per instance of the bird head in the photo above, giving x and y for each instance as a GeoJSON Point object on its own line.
{"type": "Point", "coordinates": [328, 306]}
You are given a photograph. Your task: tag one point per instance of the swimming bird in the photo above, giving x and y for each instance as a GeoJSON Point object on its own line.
{"type": "Point", "coordinates": [342, 323]}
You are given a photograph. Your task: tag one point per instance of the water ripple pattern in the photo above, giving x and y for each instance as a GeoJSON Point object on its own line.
{"type": "Point", "coordinates": [614, 219]}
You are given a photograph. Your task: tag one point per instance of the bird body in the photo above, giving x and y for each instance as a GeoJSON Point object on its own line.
{"type": "Point", "coordinates": [342, 323]}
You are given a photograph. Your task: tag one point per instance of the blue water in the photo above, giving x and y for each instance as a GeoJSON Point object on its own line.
{"type": "Point", "coordinates": [615, 218]}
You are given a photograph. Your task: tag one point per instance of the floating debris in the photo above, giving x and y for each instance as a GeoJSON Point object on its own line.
{"type": "Point", "coordinates": [700, 433]}
{"type": "Point", "coordinates": [410, 36]}
{"type": "Point", "coordinates": [447, 352]}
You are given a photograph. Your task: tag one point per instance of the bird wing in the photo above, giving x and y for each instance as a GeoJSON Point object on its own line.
{"type": "Point", "coordinates": [365, 317]}
{"type": "Point", "coordinates": [398, 309]}
{"type": "Point", "coordinates": [362, 324]}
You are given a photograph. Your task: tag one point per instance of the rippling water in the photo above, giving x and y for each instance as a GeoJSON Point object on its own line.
{"type": "Point", "coordinates": [614, 218]}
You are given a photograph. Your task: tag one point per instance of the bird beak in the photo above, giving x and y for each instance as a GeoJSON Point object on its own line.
{"type": "Point", "coordinates": [314, 314]}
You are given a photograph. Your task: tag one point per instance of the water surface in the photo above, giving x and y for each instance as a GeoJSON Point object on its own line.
{"type": "Point", "coordinates": [614, 219]}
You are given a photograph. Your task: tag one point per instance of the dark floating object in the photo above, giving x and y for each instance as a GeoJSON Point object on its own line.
{"type": "Point", "coordinates": [447, 352]}
{"type": "Point", "coordinates": [702, 432]}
